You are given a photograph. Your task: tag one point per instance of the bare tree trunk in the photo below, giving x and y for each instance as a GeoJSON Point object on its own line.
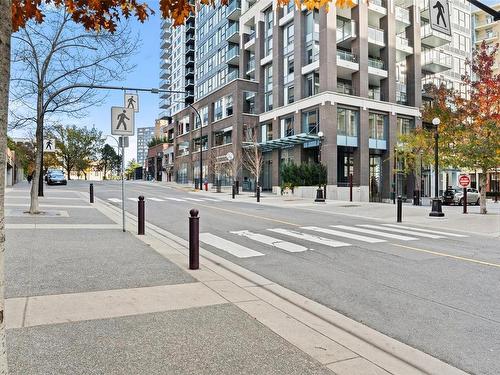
{"type": "Point", "coordinates": [482, 188]}
{"type": "Point", "coordinates": [5, 32]}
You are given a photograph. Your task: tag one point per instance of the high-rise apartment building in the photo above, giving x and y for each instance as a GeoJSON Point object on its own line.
{"type": "Point", "coordinates": [355, 75]}
{"type": "Point", "coordinates": [488, 31]}
{"type": "Point", "coordinates": [144, 136]}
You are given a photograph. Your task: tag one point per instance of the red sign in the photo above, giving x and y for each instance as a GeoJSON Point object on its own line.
{"type": "Point", "coordinates": [464, 180]}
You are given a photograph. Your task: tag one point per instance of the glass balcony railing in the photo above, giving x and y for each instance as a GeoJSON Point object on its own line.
{"type": "Point", "coordinates": [346, 56]}
{"type": "Point", "coordinates": [233, 29]}
{"type": "Point", "coordinates": [232, 52]}
{"type": "Point", "coordinates": [402, 41]}
{"type": "Point", "coordinates": [232, 75]}
{"type": "Point", "coordinates": [375, 35]}
{"type": "Point", "coordinates": [402, 14]}
{"type": "Point", "coordinates": [436, 57]}
{"type": "Point", "coordinates": [345, 30]}
{"type": "Point", "coordinates": [232, 6]}
{"type": "Point", "coordinates": [345, 89]}
{"type": "Point", "coordinates": [251, 65]}
{"type": "Point", "coordinates": [380, 3]}
{"type": "Point", "coordinates": [376, 63]}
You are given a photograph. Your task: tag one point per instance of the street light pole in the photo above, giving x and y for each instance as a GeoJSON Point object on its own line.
{"type": "Point", "coordinates": [319, 192]}
{"type": "Point", "coordinates": [436, 202]}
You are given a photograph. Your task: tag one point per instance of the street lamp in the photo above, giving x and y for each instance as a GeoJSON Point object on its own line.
{"type": "Point", "coordinates": [436, 201]}
{"type": "Point", "coordinates": [319, 192]}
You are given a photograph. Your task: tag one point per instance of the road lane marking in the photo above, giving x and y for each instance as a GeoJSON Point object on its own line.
{"type": "Point", "coordinates": [156, 199]}
{"type": "Point", "coordinates": [449, 255]}
{"type": "Point", "coordinates": [376, 233]}
{"type": "Point", "coordinates": [194, 199]}
{"type": "Point", "coordinates": [345, 234]}
{"type": "Point", "coordinates": [115, 200]}
{"type": "Point", "coordinates": [211, 200]}
{"type": "Point", "coordinates": [228, 246]}
{"type": "Point", "coordinates": [433, 236]}
{"type": "Point", "coordinates": [280, 244]}
{"type": "Point", "coordinates": [175, 199]}
{"type": "Point", "coordinates": [132, 199]}
{"type": "Point", "coordinates": [309, 237]}
{"type": "Point", "coordinates": [426, 230]}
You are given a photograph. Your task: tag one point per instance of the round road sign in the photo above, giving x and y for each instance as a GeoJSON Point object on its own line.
{"type": "Point", "coordinates": [464, 180]}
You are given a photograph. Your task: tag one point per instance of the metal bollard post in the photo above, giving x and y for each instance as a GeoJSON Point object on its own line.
{"type": "Point", "coordinates": [194, 240]}
{"type": "Point", "coordinates": [399, 209]}
{"type": "Point", "coordinates": [465, 200]}
{"type": "Point", "coordinates": [91, 193]}
{"type": "Point", "coordinates": [237, 187]}
{"type": "Point", "coordinates": [350, 187]}
{"type": "Point", "coordinates": [233, 190]}
{"type": "Point", "coordinates": [141, 216]}
{"type": "Point", "coordinates": [258, 193]}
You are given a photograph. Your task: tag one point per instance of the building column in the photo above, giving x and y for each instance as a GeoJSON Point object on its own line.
{"type": "Point", "coordinates": [275, 174]}
{"type": "Point", "coordinates": [259, 70]}
{"type": "Point", "coordinates": [328, 50]}
{"type": "Point", "coordinates": [360, 49]}
{"type": "Point", "coordinates": [361, 155]}
{"type": "Point", "coordinates": [413, 62]}
{"type": "Point", "coordinates": [328, 121]}
{"type": "Point", "coordinates": [388, 54]}
{"type": "Point", "coordinates": [388, 157]}
{"type": "Point", "coordinates": [277, 60]}
{"type": "Point", "coordinates": [298, 53]}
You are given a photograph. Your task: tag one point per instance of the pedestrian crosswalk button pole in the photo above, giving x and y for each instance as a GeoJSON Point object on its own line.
{"type": "Point", "coordinates": [399, 209]}
{"type": "Point", "coordinates": [91, 193]}
{"type": "Point", "coordinates": [140, 222]}
{"type": "Point", "coordinates": [194, 240]}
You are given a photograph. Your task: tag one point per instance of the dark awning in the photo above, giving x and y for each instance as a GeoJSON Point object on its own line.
{"type": "Point", "coordinates": [286, 142]}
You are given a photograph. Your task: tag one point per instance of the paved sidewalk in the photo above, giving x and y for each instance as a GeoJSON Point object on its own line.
{"type": "Point", "coordinates": [83, 300]}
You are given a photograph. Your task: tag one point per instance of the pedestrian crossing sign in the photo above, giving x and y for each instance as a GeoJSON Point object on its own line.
{"type": "Point", "coordinates": [439, 14]}
{"type": "Point", "coordinates": [49, 145]}
{"type": "Point", "coordinates": [131, 101]}
{"type": "Point", "coordinates": [122, 121]}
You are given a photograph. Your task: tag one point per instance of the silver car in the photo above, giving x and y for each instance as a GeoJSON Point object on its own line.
{"type": "Point", "coordinates": [456, 196]}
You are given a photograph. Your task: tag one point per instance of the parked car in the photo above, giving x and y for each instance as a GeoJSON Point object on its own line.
{"type": "Point", "coordinates": [456, 196]}
{"type": "Point", "coordinates": [56, 178]}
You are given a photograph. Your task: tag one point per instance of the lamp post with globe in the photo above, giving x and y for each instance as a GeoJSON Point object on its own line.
{"type": "Point", "coordinates": [319, 193]}
{"type": "Point", "coordinates": [436, 201]}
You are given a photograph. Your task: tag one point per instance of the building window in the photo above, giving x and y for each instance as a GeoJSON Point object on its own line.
{"type": "Point", "coordinates": [288, 39]}
{"type": "Point", "coordinates": [268, 30]}
{"type": "Point", "coordinates": [204, 115]}
{"type": "Point", "coordinates": [312, 84]}
{"type": "Point", "coordinates": [288, 93]}
{"type": "Point", "coordinates": [268, 90]}
{"type": "Point", "coordinates": [249, 102]}
{"type": "Point", "coordinates": [288, 69]}
{"type": "Point", "coordinates": [223, 137]}
{"type": "Point", "coordinates": [377, 124]}
{"type": "Point", "coordinates": [347, 122]}
{"type": "Point", "coordinates": [310, 121]}
{"type": "Point", "coordinates": [218, 110]}
{"type": "Point", "coordinates": [312, 37]}
{"type": "Point", "coordinates": [287, 127]}
{"type": "Point", "coordinates": [266, 132]}
{"type": "Point", "coordinates": [405, 125]}
{"type": "Point", "coordinates": [196, 144]}
{"type": "Point", "coordinates": [345, 166]}
{"type": "Point", "coordinates": [229, 105]}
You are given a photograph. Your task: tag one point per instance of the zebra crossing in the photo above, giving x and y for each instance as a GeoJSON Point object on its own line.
{"type": "Point", "coordinates": [333, 236]}
{"type": "Point", "coordinates": [167, 199]}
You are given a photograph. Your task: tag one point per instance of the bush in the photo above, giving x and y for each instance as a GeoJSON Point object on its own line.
{"type": "Point", "coordinates": [307, 174]}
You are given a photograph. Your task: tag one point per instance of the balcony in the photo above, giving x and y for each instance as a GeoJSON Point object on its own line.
{"type": "Point", "coordinates": [251, 67]}
{"type": "Point", "coordinates": [377, 8]}
{"type": "Point", "coordinates": [403, 48]}
{"type": "Point", "coordinates": [486, 37]}
{"type": "Point", "coordinates": [233, 55]}
{"type": "Point", "coordinates": [190, 62]}
{"type": "Point", "coordinates": [232, 33]}
{"type": "Point", "coordinates": [190, 39]}
{"type": "Point", "coordinates": [346, 32]}
{"type": "Point", "coordinates": [402, 16]}
{"type": "Point", "coordinates": [233, 10]}
{"type": "Point", "coordinates": [232, 75]}
{"type": "Point", "coordinates": [376, 36]}
{"type": "Point", "coordinates": [347, 63]}
{"type": "Point", "coordinates": [434, 61]}
{"type": "Point", "coordinates": [250, 41]}
{"type": "Point", "coordinates": [343, 88]}
{"type": "Point", "coordinates": [376, 71]}
{"type": "Point", "coordinates": [433, 38]}
{"type": "Point", "coordinates": [189, 72]}
{"type": "Point", "coordinates": [189, 82]}
{"type": "Point", "coordinates": [189, 49]}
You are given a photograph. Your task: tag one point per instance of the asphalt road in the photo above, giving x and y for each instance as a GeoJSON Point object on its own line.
{"type": "Point", "coordinates": [436, 292]}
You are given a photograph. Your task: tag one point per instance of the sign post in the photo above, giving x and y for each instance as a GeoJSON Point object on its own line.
{"type": "Point", "coordinates": [439, 12]}
{"type": "Point", "coordinates": [464, 182]}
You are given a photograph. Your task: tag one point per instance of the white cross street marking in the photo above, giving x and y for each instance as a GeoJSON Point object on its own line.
{"type": "Point", "coordinates": [194, 199]}
{"type": "Point", "coordinates": [211, 200]}
{"type": "Point", "coordinates": [309, 237]}
{"type": "Point", "coordinates": [401, 231]}
{"type": "Point", "coordinates": [344, 234]}
{"type": "Point", "coordinates": [228, 246]}
{"type": "Point", "coordinates": [280, 244]}
{"type": "Point", "coordinates": [426, 230]}
{"type": "Point", "coordinates": [375, 233]}
{"type": "Point", "coordinates": [133, 199]}
{"type": "Point", "coordinates": [156, 199]}
{"type": "Point", "coordinates": [175, 199]}
{"type": "Point", "coordinates": [115, 200]}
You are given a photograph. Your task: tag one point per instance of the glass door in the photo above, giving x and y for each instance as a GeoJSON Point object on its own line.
{"type": "Point", "coordinates": [375, 178]}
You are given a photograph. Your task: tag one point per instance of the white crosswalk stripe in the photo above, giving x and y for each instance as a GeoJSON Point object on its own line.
{"type": "Point", "coordinates": [115, 200]}
{"type": "Point", "coordinates": [211, 200]}
{"type": "Point", "coordinates": [375, 233]}
{"type": "Point", "coordinates": [228, 246]}
{"type": "Point", "coordinates": [426, 230]}
{"type": "Point", "coordinates": [133, 199]}
{"type": "Point", "coordinates": [194, 199]}
{"type": "Point", "coordinates": [309, 237]}
{"type": "Point", "coordinates": [280, 244]}
{"type": "Point", "coordinates": [156, 199]}
{"type": "Point", "coordinates": [404, 231]}
{"type": "Point", "coordinates": [352, 236]}
{"type": "Point", "coordinates": [175, 199]}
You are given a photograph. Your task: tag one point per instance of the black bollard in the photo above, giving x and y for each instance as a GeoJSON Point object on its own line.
{"type": "Point", "coordinates": [233, 190]}
{"type": "Point", "coordinates": [91, 193]}
{"type": "Point", "coordinates": [141, 216]}
{"type": "Point", "coordinates": [258, 193]}
{"type": "Point", "coordinates": [194, 240]}
{"type": "Point", "coordinates": [399, 209]}
{"type": "Point", "coordinates": [350, 187]}
{"type": "Point", "coordinates": [465, 201]}
{"type": "Point", "coordinates": [237, 187]}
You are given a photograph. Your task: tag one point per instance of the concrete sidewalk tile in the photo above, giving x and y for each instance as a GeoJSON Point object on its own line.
{"type": "Point", "coordinates": [356, 366]}
{"type": "Point", "coordinates": [230, 291]}
{"type": "Point", "coordinates": [14, 312]}
{"type": "Point", "coordinates": [115, 303]}
{"type": "Point", "coordinates": [306, 339]}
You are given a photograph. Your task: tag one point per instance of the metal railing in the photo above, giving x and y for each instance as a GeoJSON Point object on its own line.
{"type": "Point", "coordinates": [376, 35]}
{"type": "Point", "coordinates": [376, 63]}
{"type": "Point", "coordinates": [347, 56]}
{"type": "Point", "coordinates": [402, 14]}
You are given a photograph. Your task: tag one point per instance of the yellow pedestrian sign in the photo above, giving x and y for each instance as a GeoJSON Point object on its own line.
{"type": "Point", "coordinates": [439, 12]}
{"type": "Point", "coordinates": [131, 101]}
{"type": "Point", "coordinates": [122, 121]}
